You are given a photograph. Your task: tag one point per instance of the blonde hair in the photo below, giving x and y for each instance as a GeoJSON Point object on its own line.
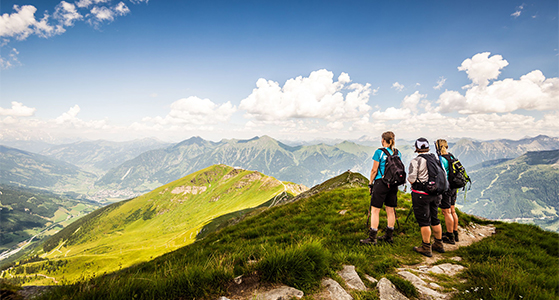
{"type": "Point", "coordinates": [441, 146]}
{"type": "Point", "coordinates": [388, 137]}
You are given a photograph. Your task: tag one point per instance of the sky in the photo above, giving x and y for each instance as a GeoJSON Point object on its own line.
{"type": "Point", "coordinates": [293, 70]}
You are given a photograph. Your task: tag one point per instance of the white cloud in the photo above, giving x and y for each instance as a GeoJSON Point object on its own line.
{"type": "Point", "coordinates": [440, 83]}
{"type": "Point", "coordinates": [516, 14]}
{"type": "Point", "coordinates": [399, 87]}
{"type": "Point", "coordinates": [481, 68]}
{"type": "Point", "coordinates": [103, 13]}
{"type": "Point", "coordinates": [451, 101]}
{"type": "Point", "coordinates": [392, 113]}
{"type": "Point", "coordinates": [317, 97]}
{"type": "Point", "coordinates": [411, 101]}
{"type": "Point", "coordinates": [66, 13]}
{"type": "Point", "coordinates": [122, 9]}
{"type": "Point", "coordinates": [195, 111]}
{"type": "Point", "coordinates": [17, 110]}
{"type": "Point", "coordinates": [18, 24]}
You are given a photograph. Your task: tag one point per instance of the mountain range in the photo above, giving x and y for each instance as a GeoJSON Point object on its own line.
{"type": "Point", "coordinates": [525, 188]}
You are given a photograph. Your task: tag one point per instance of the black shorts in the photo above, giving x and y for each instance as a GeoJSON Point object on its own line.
{"type": "Point", "coordinates": [384, 195]}
{"type": "Point", "coordinates": [425, 209]}
{"type": "Point", "coordinates": [449, 198]}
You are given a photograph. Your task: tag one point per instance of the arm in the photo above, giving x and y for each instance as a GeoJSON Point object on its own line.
{"type": "Point", "coordinates": [374, 171]}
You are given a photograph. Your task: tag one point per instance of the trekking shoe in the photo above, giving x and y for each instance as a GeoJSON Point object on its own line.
{"type": "Point", "coordinates": [387, 237]}
{"type": "Point", "coordinates": [425, 249]}
{"type": "Point", "coordinates": [456, 236]}
{"type": "Point", "coordinates": [448, 238]}
{"type": "Point", "coordinates": [438, 246]}
{"type": "Point", "coordinates": [372, 239]}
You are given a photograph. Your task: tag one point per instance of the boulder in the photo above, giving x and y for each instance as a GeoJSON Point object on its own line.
{"type": "Point", "coordinates": [335, 290]}
{"type": "Point", "coordinates": [282, 293]}
{"type": "Point", "coordinates": [387, 291]}
{"type": "Point", "coordinates": [352, 279]}
{"type": "Point", "coordinates": [421, 286]}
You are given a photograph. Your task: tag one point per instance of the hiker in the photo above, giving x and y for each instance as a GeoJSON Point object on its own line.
{"type": "Point", "coordinates": [425, 205]}
{"type": "Point", "coordinates": [382, 192]}
{"type": "Point", "coordinates": [448, 201]}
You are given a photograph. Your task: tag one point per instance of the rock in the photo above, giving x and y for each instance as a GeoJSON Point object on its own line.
{"type": "Point", "coordinates": [448, 269]}
{"type": "Point", "coordinates": [456, 258]}
{"type": "Point", "coordinates": [387, 291]}
{"type": "Point", "coordinates": [238, 279]}
{"type": "Point", "coordinates": [371, 279]}
{"type": "Point", "coordinates": [434, 285]}
{"type": "Point", "coordinates": [421, 286]}
{"type": "Point", "coordinates": [352, 279]}
{"type": "Point", "coordinates": [223, 298]}
{"type": "Point", "coordinates": [283, 293]}
{"type": "Point", "coordinates": [335, 289]}
{"type": "Point", "coordinates": [342, 212]}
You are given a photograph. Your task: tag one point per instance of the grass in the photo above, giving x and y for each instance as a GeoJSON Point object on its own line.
{"type": "Point", "coordinates": [520, 262]}
{"type": "Point", "coordinates": [300, 243]}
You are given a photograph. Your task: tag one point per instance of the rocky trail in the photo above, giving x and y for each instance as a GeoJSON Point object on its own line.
{"type": "Point", "coordinates": [423, 276]}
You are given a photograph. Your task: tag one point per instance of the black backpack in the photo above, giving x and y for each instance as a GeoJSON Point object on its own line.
{"type": "Point", "coordinates": [457, 176]}
{"type": "Point", "coordinates": [437, 182]}
{"type": "Point", "coordinates": [394, 170]}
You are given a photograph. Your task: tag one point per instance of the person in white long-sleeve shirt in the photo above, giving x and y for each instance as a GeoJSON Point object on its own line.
{"type": "Point", "coordinates": [425, 206]}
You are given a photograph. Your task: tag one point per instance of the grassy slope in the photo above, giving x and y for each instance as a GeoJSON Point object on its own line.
{"type": "Point", "coordinates": [299, 243]}
{"type": "Point", "coordinates": [153, 224]}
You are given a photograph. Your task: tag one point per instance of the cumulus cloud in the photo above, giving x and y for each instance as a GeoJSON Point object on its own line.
{"type": "Point", "coordinates": [195, 111]}
{"type": "Point", "coordinates": [11, 61]}
{"type": "Point", "coordinates": [67, 13]}
{"type": "Point", "coordinates": [531, 92]}
{"type": "Point", "coordinates": [481, 68]}
{"type": "Point", "coordinates": [17, 110]}
{"type": "Point", "coordinates": [315, 97]}
{"type": "Point", "coordinates": [399, 87]}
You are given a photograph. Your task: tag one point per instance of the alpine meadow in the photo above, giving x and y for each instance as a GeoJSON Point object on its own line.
{"type": "Point", "coordinates": [273, 150]}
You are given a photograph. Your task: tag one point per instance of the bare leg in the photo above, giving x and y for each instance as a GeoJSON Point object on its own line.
{"type": "Point", "coordinates": [448, 219]}
{"type": "Point", "coordinates": [390, 216]}
{"type": "Point", "coordinates": [454, 217]}
{"type": "Point", "coordinates": [437, 231]}
{"type": "Point", "coordinates": [374, 217]}
{"type": "Point", "coordinates": [426, 234]}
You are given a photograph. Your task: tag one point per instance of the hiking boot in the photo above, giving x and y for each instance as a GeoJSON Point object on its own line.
{"type": "Point", "coordinates": [425, 249]}
{"type": "Point", "coordinates": [372, 239]}
{"type": "Point", "coordinates": [448, 238]}
{"type": "Point", "coordinates": [387, 237]}
{"type": "Point", "coordinates": [438, 246]}
{"type": "Point", "coordinates": [456, 236]}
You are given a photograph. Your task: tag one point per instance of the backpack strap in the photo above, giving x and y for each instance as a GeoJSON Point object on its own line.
{"type": "Point", "coordinates": [387, 155]}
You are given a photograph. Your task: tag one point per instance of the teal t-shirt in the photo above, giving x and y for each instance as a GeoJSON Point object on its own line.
{"type": "Point", "coordinates": [381, 158]}
{"type": "Point", "coordinates": [444, 163]}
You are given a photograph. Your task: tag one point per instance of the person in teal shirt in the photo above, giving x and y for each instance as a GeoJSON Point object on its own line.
{"type": "Point", "coordinates": [381, 193]}
{"type": "Point", "coordinates": [448, 201]}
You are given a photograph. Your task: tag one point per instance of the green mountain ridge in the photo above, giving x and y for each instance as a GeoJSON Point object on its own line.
{"type": "Point", "coordinates": [169, 217]}
{"type": "Point", "coordinates": [523, 188]}
{"type": "Point", "coordinates": [300, 243]}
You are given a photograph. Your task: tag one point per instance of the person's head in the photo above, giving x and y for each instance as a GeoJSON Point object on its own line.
{"type": "Point", "coordinates": [421, 145]}
{"type": "Point", "coordinates": [441, 146]}
{"type": "Point", "coordinates": [388, 138]}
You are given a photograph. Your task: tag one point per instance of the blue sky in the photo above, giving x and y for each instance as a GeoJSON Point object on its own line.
{"type": "Point", "coordinates": [297, 70]}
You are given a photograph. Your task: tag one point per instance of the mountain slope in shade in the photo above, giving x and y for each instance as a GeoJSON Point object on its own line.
{"type": "Point", "coordinates": [18, 167]}
{"type": "Point", "coordinates": [100, 156]}
{"type": "Point", "coordinates": [308, 165]}
{"type": "Point", "coordinates": [526, 187]}
{"type": "Point", "coordinates": [158, 222]}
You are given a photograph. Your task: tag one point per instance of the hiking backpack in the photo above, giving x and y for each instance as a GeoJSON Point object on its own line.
{"type": "Point", "coordinates": [457, 176]}
{"type": "Point", "coordinates": [394, 170]}
{"type": "Point", "coordinates": [437, 182]}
